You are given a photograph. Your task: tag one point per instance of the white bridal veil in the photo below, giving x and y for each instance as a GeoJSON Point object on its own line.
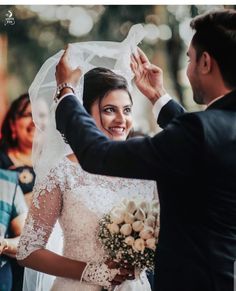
{"type": "Point", "coordinates": [49, 147]}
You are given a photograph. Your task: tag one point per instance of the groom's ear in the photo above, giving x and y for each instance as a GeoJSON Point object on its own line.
{"type": "Point", "coordinates": [206, 62]}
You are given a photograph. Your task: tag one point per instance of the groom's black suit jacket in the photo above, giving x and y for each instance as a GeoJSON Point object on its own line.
{"type": "Point", "coordinates": [193, 161]}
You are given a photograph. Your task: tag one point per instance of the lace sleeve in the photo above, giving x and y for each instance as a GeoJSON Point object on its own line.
{"type": "Point", "coordinates": [42, 216]}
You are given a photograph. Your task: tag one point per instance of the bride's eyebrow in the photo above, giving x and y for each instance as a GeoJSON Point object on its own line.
{"type": "Point", "coordinates": [112, 105]}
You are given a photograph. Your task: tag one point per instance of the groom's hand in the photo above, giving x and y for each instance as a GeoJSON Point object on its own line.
{"type": "Point", "coordinates": [148, 77]}
{"type": "Point", "coordinates": [64, 72]}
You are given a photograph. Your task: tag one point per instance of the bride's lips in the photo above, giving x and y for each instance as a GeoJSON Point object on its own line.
{"type": "Point", "coordinates": [117, 130]}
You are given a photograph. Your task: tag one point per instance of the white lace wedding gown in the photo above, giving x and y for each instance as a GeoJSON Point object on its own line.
{"type": "Point", "coordinates": [78, 200]}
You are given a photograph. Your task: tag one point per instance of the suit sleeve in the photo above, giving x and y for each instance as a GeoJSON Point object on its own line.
{"type": "Point", "coordinates": [171, 152]}
{"type": "Point", "coordinates": [169, 111]}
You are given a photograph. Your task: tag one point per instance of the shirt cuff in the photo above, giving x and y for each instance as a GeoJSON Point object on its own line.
{"type": "Point", "coordinates": [160, 103]}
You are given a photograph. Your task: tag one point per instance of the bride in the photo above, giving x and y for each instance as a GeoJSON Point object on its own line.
{"type": "Point", "coordinates": [77, 199]}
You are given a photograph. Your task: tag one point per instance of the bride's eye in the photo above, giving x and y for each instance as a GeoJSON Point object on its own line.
{"type": "Point", "coordinates": [128, 110]}
{"type": "Point", "coordinates": [109, 110]}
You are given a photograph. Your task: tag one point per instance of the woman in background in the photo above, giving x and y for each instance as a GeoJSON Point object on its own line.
{"type": "Point", "coordinates": [13, 211]}
{"type": "Point", "coordinates": [16, 142]}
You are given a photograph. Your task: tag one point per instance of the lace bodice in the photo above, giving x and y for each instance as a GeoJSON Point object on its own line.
{"type": "Point", "coordinates": [77, 200]}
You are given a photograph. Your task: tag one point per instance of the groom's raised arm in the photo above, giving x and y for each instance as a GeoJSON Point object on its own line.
{"type": "Point", "coordinates": [167, 112]}
{"type": "Point", "coordinates": [171, 152]}
{"type": "Point", "coordinates": [149, 81]}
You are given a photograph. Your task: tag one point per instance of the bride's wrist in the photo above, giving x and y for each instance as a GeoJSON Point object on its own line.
{"type": "Point", "coordinates": [98, 274]}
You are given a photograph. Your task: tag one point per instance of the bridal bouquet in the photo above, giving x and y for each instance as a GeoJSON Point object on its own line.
{"type": "Point", "coordinates": [129, 233]}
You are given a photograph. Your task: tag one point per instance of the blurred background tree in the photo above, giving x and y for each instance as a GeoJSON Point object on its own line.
{"type": "Point", "coordinates": [40, 31]}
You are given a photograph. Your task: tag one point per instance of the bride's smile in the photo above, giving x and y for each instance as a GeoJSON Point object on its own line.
{"type": "Point", "coordinates": [113, 114]}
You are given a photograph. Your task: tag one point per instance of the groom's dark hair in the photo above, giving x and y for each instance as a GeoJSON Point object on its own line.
{"type": "Point", "coordinates": [99, 82]}
{"type": "Point", "coordinates": [216, 34]}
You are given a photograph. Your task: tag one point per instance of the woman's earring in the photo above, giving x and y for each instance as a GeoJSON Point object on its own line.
{"type": "Point", "coordinates": [13, 136]}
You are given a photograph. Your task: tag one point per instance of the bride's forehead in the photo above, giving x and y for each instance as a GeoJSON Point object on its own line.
{"type": "Point", "coordinates": [116, 97]}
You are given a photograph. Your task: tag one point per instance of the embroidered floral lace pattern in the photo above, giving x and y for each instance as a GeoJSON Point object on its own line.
{"type": "Point", "coordinates": [99, 273]}
{"type": "Point", "coordinates": [77, 200]}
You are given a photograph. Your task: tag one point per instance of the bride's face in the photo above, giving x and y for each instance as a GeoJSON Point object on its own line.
{"type": "Point", "coordinates": [113, 116]}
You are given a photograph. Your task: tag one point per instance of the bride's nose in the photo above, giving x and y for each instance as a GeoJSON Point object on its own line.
{"type": "Point", "coordinates": [120, 117]}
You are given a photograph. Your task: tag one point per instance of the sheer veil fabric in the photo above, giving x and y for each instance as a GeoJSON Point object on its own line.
{"type": "Point", "coordinates": [49, 147]}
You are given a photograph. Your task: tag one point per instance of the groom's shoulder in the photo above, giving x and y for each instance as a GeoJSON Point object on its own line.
{"type": "Point", "coordinates": [190, 117]}
{"type": "Point", "coordinates": [201, 116]}
{"type": "Point", "coordinates": [207, 121]}
{"type": "Point", "coordinates": [198, 120]}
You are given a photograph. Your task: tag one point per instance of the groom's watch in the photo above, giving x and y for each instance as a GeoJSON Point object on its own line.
{"type": "Point", "coordinates": [59, 89]}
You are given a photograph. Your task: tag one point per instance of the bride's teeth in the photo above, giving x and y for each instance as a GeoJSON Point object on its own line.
{"type": "Point", "coordinates": [118, 129]}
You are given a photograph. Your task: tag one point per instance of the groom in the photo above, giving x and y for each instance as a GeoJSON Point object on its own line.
{"type": "Point", "coordinates": [193, 159]}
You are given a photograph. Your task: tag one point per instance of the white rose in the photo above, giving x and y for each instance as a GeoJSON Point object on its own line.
{"type": "Point", "coordinates": [150, 221]}
{"type": "Point", "coordinates": [155, 212]}
{"type": "Point", "coordinates": [128, 218]}
{"type": "Point", "coordinates": [151, 243]}
{"type": "Point", "coordinates": [139, 245]}
{"type": "Point", "coordinates": [156, 231]}
{"type": "Point", "coordinates": [155, 204]}
{"type": "Point", "coordinates": [129, 240]}
{"type": "Point", "coordinates": [131, 207]}
{"type": "Point", "coordinates": [140, 214]}
{"type": "Point", "coordinates": [117, 215]}
{"type": "Point", "coordinates": [126, 229]}
{"type": "Point", "coordinates": [138, 225]}
{"type": "Point", "coordinates": [124, 203]}
{"type": "Point", "coordinates": [113, 228]}
{"type": "Point", "coordinates": [144, 206]}
{"type": "Point", "coordinates": [147, 232]}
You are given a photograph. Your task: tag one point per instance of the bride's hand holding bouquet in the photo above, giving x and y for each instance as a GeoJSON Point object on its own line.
{"type": "Point", "coordinates": [129, 234]}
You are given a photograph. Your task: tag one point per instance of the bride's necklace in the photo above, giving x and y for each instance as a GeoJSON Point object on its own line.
{"type": "Point", "coordinates": [20, 159]}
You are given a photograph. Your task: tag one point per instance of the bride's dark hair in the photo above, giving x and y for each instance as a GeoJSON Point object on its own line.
{"type": "Point", "coordinates": [99, 82]}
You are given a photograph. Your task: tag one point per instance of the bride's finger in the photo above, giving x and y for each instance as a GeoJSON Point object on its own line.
{"type": "Point", "coordinates": [112, 264]}
{"type": "Point", "coordinates": [119, 279]}
{"type": "Point", "coordinates": [126, 272]}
